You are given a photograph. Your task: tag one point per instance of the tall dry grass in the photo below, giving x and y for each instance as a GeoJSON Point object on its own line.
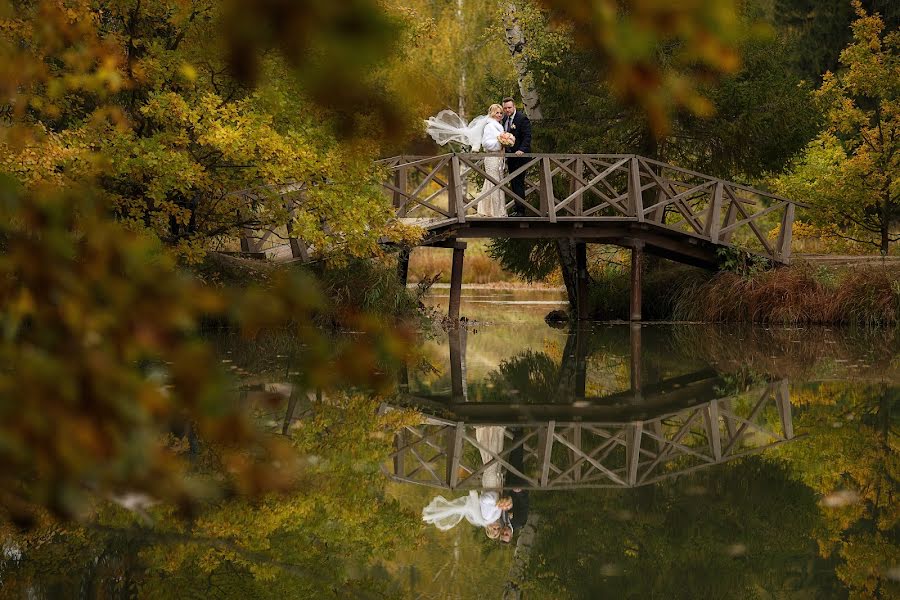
{"type": "Point", "coordinates": [799, 294]}
{"type": "Point", "coordinates": [478, 266]}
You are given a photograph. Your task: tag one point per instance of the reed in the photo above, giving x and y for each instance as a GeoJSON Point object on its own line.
{"type": "Point", "coordinates": [478, 266]}
{"type": "Point", "coordinates": [800, 294]}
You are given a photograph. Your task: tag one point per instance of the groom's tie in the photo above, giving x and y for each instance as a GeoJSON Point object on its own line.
{"type": "Point", "coordinates": [506, 125]}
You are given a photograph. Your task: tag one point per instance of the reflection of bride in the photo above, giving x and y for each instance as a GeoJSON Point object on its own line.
{"type": "Point", "coordinates": [480, 133]}
{"type": "Point", "coordinates": [481, 510]}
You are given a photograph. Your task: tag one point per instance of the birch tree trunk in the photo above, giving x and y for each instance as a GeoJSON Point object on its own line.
{"type": "Point", "coordinates": [464, 58]}
{"type": "Point", "coordinates": [515, 41]}
{"type": "Point", "coordinates": [512, 590]}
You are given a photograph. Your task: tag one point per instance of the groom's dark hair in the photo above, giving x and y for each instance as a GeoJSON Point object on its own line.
{"type": "Point", "coordinates": [508, 99]}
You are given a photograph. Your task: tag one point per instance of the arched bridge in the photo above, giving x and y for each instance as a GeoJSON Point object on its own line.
{"type": "Point", "coordinates": [620, 199]}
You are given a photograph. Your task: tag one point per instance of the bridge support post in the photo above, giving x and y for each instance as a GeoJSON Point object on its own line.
{"type": "Point", "coordinates": [581, 281]}
{"type": "Point", "coordinates": [403, 265]}
{"type": "Point", "coordinates": [635, 362]}
{"type": "Point", "coordinates": [457, 366]}
{"type": "Point", "coordinates": [456, 273]}
{"type": "Point", "coordinates": [637, 255]}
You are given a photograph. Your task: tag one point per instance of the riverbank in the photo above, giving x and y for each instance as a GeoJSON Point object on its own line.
{"type": "Point", "coordinates": [799, 294]}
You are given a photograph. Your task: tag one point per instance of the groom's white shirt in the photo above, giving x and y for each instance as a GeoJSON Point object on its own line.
{"type": "Point", "coordinates": [509, 121]}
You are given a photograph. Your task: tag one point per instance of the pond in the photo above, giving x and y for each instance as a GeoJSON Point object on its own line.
{"type": "Point", "coordinates": [670, 461]}
{"type": "Point", "coordinates": [640, 461]}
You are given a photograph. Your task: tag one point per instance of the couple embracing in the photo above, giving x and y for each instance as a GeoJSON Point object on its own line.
{"type": "Point", "coordinates": [504, 127]}
{"type": "Point", "coordinates": [499, 511]}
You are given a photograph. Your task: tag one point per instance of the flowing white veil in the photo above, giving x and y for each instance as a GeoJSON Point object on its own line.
{"type": "Point", "coordinates": [447, 126]}
{"type": "Point", "coordinates": [446, 514]}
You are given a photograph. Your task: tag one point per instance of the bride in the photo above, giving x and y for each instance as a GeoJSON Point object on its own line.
{"type": "Point", "coordinates": [481, 132]}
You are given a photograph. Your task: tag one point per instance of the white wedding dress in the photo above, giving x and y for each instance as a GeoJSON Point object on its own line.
{"type": "Point", "coordinates": [494, 204]}
{"type": "Point", "coordinates": [477, 509]}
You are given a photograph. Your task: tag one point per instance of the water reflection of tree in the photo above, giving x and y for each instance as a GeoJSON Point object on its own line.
{"type": "Point", "coordinates": [851, 460]}
{"type": "Point", "coordinates": [740, 531]}
{"type": "Point", "coordinates": [317, 542]}
{"type": "Point", "coordinates": [529, 377]}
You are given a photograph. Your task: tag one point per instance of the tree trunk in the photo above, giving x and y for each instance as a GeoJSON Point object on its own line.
{"type": "Point", "coordinates": [461, 90]}
{"type": "Point", "coordinates": [565, 250]}
{"type": "Point", "coordinates": [512, 590]}
{"type": "Point", "coordinates": [515, 41]}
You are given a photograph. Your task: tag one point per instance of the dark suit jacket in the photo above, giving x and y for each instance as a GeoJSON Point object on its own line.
{"type": "Point", "coordinates": [518, 515]}
{"type": "Point", "coordinates": [521, 128]}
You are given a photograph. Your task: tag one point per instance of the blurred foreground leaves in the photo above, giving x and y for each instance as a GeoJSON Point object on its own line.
{"type": "Point", "coordinates": [101, 358]}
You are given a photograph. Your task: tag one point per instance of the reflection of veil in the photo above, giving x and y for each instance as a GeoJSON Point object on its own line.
{"type": "Point", "coordinates": [447, 126]}
{"type": "Point", "coordinates": [446, 514]}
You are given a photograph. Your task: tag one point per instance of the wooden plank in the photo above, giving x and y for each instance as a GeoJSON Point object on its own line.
{"type": "Point", "coordinates": [714, 218]}
{"type": "Point", "coordinates": [548, 202]}
{"type": "Point", "coordinates": [634, 189]}
{"type": "Point", "coordinates": [546, 455]}
{"type": "Point", "coordinates": [787, 230]}
{"type": "Point", "coordinates": [400, 181]}
{"type": "Point", "coordinates": [747, 219]}
{"type": "Point", "coordinates": [783, 401]}
{"type": "Point", "coordinates": [455, 191]}
{"type": "Point", "coordinates": [593, 462]}
{"type": "Point", "coordinates": [453, 455]}
{"type": "Point", "coordinates": [593, 182]}
{"type": "Point", "coordinates": [632, 450]}
{"type": "Point", "coordinates": [711, 415]}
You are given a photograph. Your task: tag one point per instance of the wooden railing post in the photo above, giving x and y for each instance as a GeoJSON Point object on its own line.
{"type": "Point", "coordinates": [783, 401]}
{"type": "Point", "coordinates": [401, 202]}
{"type": "Point", "coordinates": [786, 233]}
{"type": "Point", "coordinates": [576, 185]}
{"type": "Point", "coordinates": [633, 434]}
{"type": "Point", "coordinates": [548, 202]}
{"type": "Point", "coordinates": [730, 217]}
{"type": "Point", "coordinates": [456, 191]}
{"type": "Point", "coordinates": [714, 215]}
{"type": "Point", "coordinates": [636, 200]}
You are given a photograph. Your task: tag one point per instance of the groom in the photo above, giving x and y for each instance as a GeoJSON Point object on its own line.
{"type": "Point", "coordinates": [516, 123]}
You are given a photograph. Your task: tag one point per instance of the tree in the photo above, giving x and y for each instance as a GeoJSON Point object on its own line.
{"type": "Point", "coordinates": [819, 29]}
{"type": "Point", "coordinates": [760, 117]}
{"type": "Point", "coordinates": [849, 172]}
{"type": "Point", "coordinates": [128, 124]}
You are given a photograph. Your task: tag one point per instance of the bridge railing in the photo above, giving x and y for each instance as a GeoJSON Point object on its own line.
{"type": "Point", "coordinates": [550, 455]}
{"type": "Point", "coordinates": [444, 189]}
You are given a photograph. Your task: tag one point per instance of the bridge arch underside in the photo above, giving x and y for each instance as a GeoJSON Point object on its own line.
{"type": "Point", "coordinates": [628, 234]}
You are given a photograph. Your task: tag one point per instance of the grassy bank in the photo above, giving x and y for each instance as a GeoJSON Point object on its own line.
{"type": "Point", "coordinates": [479, 267]}
{"type": "Point", "coordinates": [799, 294]}
{"type": "Point", "coordinates": [359, 286]}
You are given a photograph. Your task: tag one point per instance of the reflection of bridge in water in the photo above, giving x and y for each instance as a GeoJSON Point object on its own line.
{"type": "Point", "coordinates": [628, 439]}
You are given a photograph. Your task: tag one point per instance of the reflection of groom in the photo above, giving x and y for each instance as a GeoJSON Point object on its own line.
{"type": "Point", "coordinates": [516, 516]}
{"type": "Point", "coordinates": [516, 123]}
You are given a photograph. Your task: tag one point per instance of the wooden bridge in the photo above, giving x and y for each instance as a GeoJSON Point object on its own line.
{"type": "Point", "coordinates": [553, 454]}
{"type": "Point", "coordinates": [625, 200]}
{"type": "Point", "coordinates": [565, 438]}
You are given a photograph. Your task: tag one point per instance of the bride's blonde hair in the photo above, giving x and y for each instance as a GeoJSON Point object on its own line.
{"type": "Point", "coordinates": [494, 107]}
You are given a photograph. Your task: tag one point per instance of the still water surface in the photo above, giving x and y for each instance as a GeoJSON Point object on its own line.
{"type": "Point", "coordinates": [656, 461]}
{"type": "Point", "coordinates": [661, 461]}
